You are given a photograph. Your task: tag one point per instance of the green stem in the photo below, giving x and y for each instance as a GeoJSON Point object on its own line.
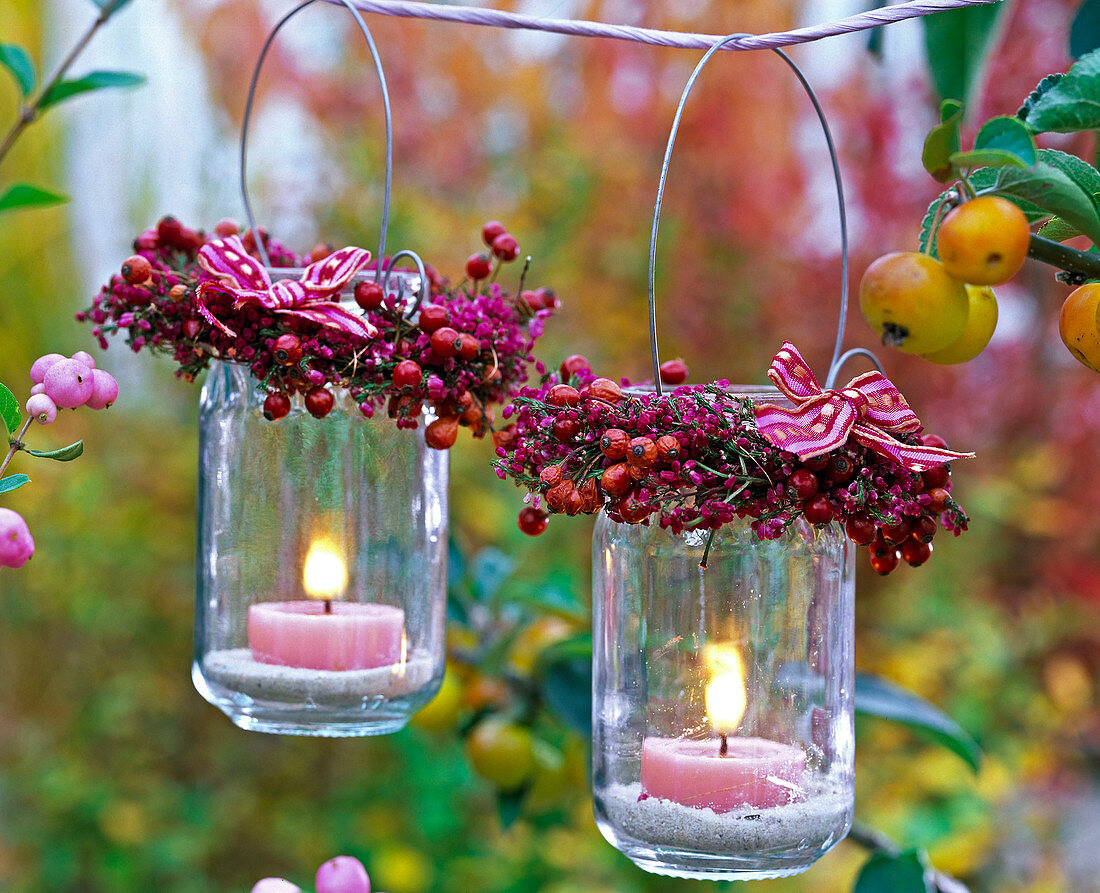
{"type": "Point", "coordinates": [1072, 260]}
{"type": "Point", "coordinates": [15, 446]}
{"type": "Point", "coordinates": [29, 113]}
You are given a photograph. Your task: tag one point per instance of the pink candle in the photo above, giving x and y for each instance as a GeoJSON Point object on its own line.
{"type": "Point", "coordinates": [300, 634]}
{"type": "Point", "coordinates": [694, 773]}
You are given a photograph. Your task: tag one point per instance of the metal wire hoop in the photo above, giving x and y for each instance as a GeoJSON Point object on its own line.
{"type": "Point", "coordinates": [384, 227]}
{"type": "Point", "coordinates": [837, 360]}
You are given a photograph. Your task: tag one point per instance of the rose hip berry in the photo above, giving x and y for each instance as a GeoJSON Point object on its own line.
{"type": "Point", "coordinates": [563, 395]}
{"type": "Point", "coordinates": [445, 342]}
{"type": "Point", "coordinates": [369, 295]}
{"type": "Point", "coordinates": [491, 230]}
{"type": "Point", "coordinates": [319, 401]}
{"type": "Point", "coordinates": [506, 247]}
{"type": "Point", "coordinates": [442, 433]}
{"type": "Point", "coordinates": [898, 533]}
{"type": "Point", "coordinates": [136, 270]}
{"type": "Point", "coordinates": [615, 479]}
{"type": "Point", "coordinates": [803, 484]}
{"type": "Point", "coordinates": [571, 365]}
{"type": "Point", "coordinates": [550, 476]}
{"type": "Point", "coordinates": [407, 374]}
{"type": "Point", "coordinates": [936, 477]}
{"type": "Point", "coordinates": [533, 521]}
{"type": "Point", "coordinates": [614, 443]}
{"type": "Point", "coordinates": [816, 463]}
{"type": "Point", "coordinates": [818, 509]}
{"type": "Point", "coordinates": [840, 468]}
{"type": "Point", "coordinates": [191, 329]}
{"type": "Point", "coordinates": [886, 562]}
{"type": "Point", "coordinates": [287, 350]}
{"type": "Point", "coordinates": [668, 448]}
{"type": "Point", "coordinates": [933, 440]}
{"type": "Point", "coordinates": [860, 529]}
{"type": "Point", "coordinates": [642, 452]}
{"type": "Point", "coordinates": [433, 317]}
{"type": "Point", "coordinates": [939, 497]}
{"type": "Point", "coordinates": [469, 347]}
{"type": "Point", "coordinates": [924, 528]}
{"type": "Point", "coordinates": [276, 406]}
{"type": "Point", "coordinates": [915, 552]}
{"type": "Point", "coordinates": [605, 389]}
{"type": "Point", "coordinates": [565, 429]}
{"type": "Point", "coordinates": [674, 372]}
{"type": "Point", "coordinates": [478, 266]}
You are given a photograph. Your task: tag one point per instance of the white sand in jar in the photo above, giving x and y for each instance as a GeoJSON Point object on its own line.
{"type": "Point", "coordinates": [666, 823]}
{"type": "Point", "coordinates": [237, 670]}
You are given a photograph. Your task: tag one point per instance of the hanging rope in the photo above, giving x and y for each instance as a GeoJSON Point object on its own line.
{"type": "Point", "coordinates": [496, 18]}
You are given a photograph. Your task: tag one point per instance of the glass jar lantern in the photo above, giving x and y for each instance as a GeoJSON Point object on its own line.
{"type": "Point", "coordinates": [722, 697]}
{"type": "Point", "coordinates": [322, 565]}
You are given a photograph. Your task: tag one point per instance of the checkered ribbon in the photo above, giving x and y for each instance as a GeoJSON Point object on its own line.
{"type": "Point", "coordinates": [866, 410]}
{"type": "Point", "coordinates": [241, 275]}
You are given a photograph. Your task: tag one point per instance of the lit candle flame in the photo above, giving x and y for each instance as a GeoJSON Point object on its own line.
{"type": "Point", "coordinates": [725, 696]}
{"type": "Point", "coordinates": [324, 575]}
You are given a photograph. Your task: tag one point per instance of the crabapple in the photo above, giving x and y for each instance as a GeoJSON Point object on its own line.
{"type": "Point", "coordinates": [976, 334]}
{"type": "Point", "coordinates": [104, 390]}
{"type": "Point", "coordinates": [501, 752]}
{"type": "Point", "coordinates": [911, 303]}
{"type": "Point", "coordinates": [42, 408]}
{"type": "Point", "coordinates": [41, 366]}
{"type": "Point", "coordinates": [16, 543]}
{"type": "Point", "coordinates": [1077, 324]}
{"type": "Point", "coordinates": [983, 241]}
{"type": "Point", "coordinates": [342, 874]}
{"type": "Point", "coordinates": [69, 383]}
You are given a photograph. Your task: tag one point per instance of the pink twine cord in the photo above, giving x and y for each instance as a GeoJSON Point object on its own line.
{"type": "Point", "coordinates": [496, 18]}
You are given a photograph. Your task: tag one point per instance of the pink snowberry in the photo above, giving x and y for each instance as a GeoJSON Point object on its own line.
{"type": "Point", "coordinates": [343, 874]}
{"type": "Point", "coordinates": [41, 366]}
{"type": "Point", "coordinates": [82, 356]}
{"type": "Point", "coordinates": [42, 409]}
{"type": "Point", "coordinates": [275, 885]}
{"type": "Point", "coordinates": [69, 383]}
{"type": "Point", "coordinates": [16, 544]}
{"type": "Point", "coordinates": [38, 389]}
{"type": "Point", "coordinates": [104, 390]}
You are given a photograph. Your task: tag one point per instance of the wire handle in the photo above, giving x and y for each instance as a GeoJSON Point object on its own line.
{"type": "Point", "coordinates": [837, 359]}
{"type": "Point", "coordinates": [384, 228]}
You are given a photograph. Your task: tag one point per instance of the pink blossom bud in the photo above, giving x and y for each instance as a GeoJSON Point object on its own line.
{"type": "Point", "coordinates": [68, 383]}
{"type": "Point", "coordinates": [40, 366]}
{"type": "Point", "coordinates": [16, 544]}
{"type": "Point", "coordinates": [82, 356]}
{"type": "Point", "coordinates": [344, 874]}
{"type": "Point", "coordinates": [104, 390]}
{"type": "Point", "coordinates": [41, 408]}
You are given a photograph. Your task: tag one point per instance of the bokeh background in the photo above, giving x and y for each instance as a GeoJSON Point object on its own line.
{"type": "Point", "coordinates": [116, 776]}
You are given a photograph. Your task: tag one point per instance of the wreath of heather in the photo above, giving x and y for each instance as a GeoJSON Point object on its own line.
{"type": "Point", "coordinates": [694, 459]}
{"type": "Point", "coordinates": [464, 349]}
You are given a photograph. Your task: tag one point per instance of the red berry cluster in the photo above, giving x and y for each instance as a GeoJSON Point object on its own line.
{"type": "Point", "coordinates": [465, 349]}
{"type": "Point", "coordinates": [694, 459]}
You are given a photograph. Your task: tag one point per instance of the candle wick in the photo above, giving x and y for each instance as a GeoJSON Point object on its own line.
{"type": "Point", "coordinates": [725, 745]}
{"type": "Point", "coordinates": [328, 605]}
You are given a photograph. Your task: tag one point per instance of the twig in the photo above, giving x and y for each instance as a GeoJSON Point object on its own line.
{"type": "Point", "coordinates": [29, 113]}
{"type": "Point", "coordinates": [15, 446]}
{"type": "Point", "coordinates": [1064, 257]}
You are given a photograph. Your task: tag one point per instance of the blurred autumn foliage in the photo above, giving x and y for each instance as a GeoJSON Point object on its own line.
{"type": "Point", "coordinates": [116, 776]}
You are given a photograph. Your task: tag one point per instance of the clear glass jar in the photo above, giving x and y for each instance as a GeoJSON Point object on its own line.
{"type": "Point", "coordinates": [321, 568]}
{"type": "Point", "coordinates": [722, 697]}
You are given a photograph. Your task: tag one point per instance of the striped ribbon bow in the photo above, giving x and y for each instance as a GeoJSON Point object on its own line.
{"type": "Point", "coordinates": [865, 410]}
{"type": "Point", "coordinates": [311, 297]}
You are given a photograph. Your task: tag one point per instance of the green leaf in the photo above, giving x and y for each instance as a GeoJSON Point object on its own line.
{"type": "Point", "coordinates": [25, 195]}
{"type": "Point", "coordinates": [1047, 188]}
{"type": "Point", "coordinates": [9, 410]}
{"type": "Point", "coordinates": [1005, 134]}
{"type": "Point", "coordinates": [510, 805]}
{"type": "Point", "coordinates": [942, 142]}
{"type": "Point", "coordinates": [1035, 95]}
{"type": "Point", "coordinates": [1058, 230]}
{"type": "Point", "coordinates": [564, 674]}
{"type": "Point", "coordinates": [1080, 172]}
{"type": "Point", "coordinates": [18, 61]}
{"type": "Point", "coordinates": [96, 80]}
{"type": "Point", "coordinates": [13, 482]}
{"type": "Point", "coordinates": [1068, 104]}
{"type": "Point", "coordinates": [956, 45]}
{"type": "Point", "coordinates": [876, 696]}
{"type": "Point", "coordinates": [110, 6]}
{"type": "Point", "coordinates": [65, 454]}
{"type": "Point", "coordinates": [489, 570]}
{"type": "Point", "coordinates": [903, 873]}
